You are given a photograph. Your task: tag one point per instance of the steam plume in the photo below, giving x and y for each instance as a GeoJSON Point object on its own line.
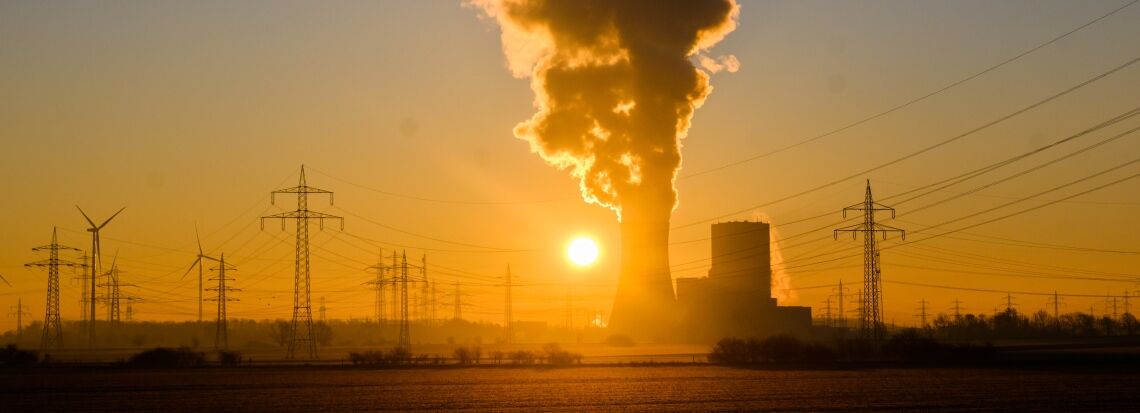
{"type": "Point", "coordinates": [615, 87]}
{"type": "Point", "coordinates": [615, 90]}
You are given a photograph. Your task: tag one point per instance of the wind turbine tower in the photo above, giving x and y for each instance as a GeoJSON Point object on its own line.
{"type": "Point", "coordinates": [95, 267]}
{"type": "Point", "coordinates": [201, 270]}
{"type": "Point", "coordinates": [301, 329]}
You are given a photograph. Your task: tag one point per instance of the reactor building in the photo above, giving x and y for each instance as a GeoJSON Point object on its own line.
{"type": "Point", "coordinates": [735, 299]}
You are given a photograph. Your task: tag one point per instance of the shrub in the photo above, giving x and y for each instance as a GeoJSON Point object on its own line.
{"type": "Point", "coordinates": [910, 344]}
{"type": "Point", "coordinates": [522, 357]}
{"type": "Point", "coordinates": [395, 356]}
{"type": "Point", "coordinates": [731, 350]}
{"type": "Point", "coordinates": [168, 357]}
{"type": "Point", "coordinates": [229, 358]}
{"type": "Point", "coordinates": [463, 355]}
{"type": "Point", "coordinates": [557, 356]}
{"type": "Point", "coordinates": [780, 348]}
{"type": "Point", "coordinates": [13, 356]}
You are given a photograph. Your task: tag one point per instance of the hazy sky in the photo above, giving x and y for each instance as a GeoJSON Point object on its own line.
{"type": "Point", "coordinates": [191, 112]}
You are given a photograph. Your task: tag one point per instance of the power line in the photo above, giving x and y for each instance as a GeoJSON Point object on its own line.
{"type": "Point", "coordinates": [436, 200]}
{"type": "Point", "coordinates": [923, 150]}
{"type": "Point", "coordinates": [909, 102]}
{"type": "Point", "coordinates": [985, 290]}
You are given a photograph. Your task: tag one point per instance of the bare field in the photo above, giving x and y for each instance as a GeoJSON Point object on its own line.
{"type": "Point", "coordinates": [660, 388]}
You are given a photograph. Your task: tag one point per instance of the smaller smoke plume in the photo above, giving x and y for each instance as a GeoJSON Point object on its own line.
{"type": "Point", "coordinates": [782, 289]}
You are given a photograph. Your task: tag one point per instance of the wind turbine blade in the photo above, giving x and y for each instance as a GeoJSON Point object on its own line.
{"type": "Point", "coordinates": [197, 261]}
{"type": "Point", "coordinates": [112, 217]}
{"type": "Point", "coordinates": [89, 221]}
{"type": "Point", "coordinates": [5, 280]}
{"type": "Point", "coordinates": [198, 238]}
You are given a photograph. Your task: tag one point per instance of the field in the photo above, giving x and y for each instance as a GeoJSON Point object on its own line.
{"type": "Point", "coordinates": [628, 388]}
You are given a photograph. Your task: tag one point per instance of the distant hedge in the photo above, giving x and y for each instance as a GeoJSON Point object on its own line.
{"type": "Point", "coordinates": [168, 357]}
{"type": "Point", "coordinates": [781, 348]}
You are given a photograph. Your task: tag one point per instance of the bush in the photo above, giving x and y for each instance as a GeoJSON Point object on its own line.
{"type": "Point", "coordinates": [13, 356]}
{"type": "Point", "coordinates": [522, 357]}
{"type": "Point", "coordinates": [557, 356]}
{"type": "Point", "coordinates": [731, 350]}
{"type": "Point", "coordinates": [781, 349]}
{"type": "Point", "coordinates": [910, 344]}
{"type": "Point", "coordinates": [168, 357]}
{"type": "Point", "coordinates": [395, 356]}
{"type": "Point", "coordinates": [229, 358]}
{"type": "Point", "coordinates": [463, 355]}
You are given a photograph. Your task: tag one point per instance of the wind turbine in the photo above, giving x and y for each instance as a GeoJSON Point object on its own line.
{"type": "Point", "coordinates": [198, 262]}
{"type": "Point", "coordinates": [95, 267]}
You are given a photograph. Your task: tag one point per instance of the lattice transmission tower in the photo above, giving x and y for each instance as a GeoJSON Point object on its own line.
{"type": "Point", "coordinates": [301, 329]}
{"type": "Point", "coordinates": [871, 323]}
{"type": "Point", "coordinates": [508, 312]}
{"type": "Point", "coordinates": [19, 310]}
{"type": "Point", "coordinates": [221, 331]}
{"type": "Point", "coordinates": [52, 338]}
{"type": "Point", "coordinates": [111, 292]}
{"type": "Point", "coordinates": [378, 283]}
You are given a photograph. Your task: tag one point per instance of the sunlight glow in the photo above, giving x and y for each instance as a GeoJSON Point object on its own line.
{"type": "Point", "coordinates": [583, 251]}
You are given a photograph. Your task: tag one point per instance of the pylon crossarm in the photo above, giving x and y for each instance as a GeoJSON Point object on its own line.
{"type": "Point", "coordinates": [303, 189]}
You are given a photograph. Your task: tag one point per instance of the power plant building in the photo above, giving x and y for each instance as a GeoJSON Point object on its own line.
{"type": "Point", "coordinates": [735, 299]}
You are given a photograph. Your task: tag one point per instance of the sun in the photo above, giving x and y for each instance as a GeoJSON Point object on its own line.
{"type": "Point", "coordinates": [583, 251]}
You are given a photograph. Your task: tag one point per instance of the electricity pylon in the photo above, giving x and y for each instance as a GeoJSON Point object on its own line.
{"type": "Point", "coordinates": [957, 309]}
{"type": "Point", "coordinates": [509, 310]}
{"type": "Point", "coordinates": [111, 293]}
{"type": "Point", "coordinates": [95, 267]}
{"type": "Point", "coordinates": [404, 340]}
{"type": "Point", "coordinates": [922, 312]}
{"type": "Point", "coordinates": [130, 313]}
{"type": "Point", "coordinates": [827, 312]}
{"type": "Point", "coordinates": [402, 280]}
{"type": "Point", "coordinates": [871, 323]}
{"type": "Point", "coordinates": [221, 333]}
{"type": "Point", "coordinates": [201, 270]}
{"type": "Point", "coordinates": [83, 278]}
{"type": "Point", "coordinates": [111, 296]}
{"type": "Point", "coordinates": [19, 310]}
{"type": "Point", "coordinates": [425, 304]}
{"type": "Point", "coordinates": [458, 303]}
{"type": "Point", "coordinates": [302, 304]}
{"type": "Point", "coordinates": [52, 337]}
{"type": "Point", "coordinates": [378, 284]}
{"type": "Point", "coordinates": [841, 291]}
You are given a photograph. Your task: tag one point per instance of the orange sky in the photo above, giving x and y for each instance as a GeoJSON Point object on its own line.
{"type": "Point", "coordinates": [193, 112]}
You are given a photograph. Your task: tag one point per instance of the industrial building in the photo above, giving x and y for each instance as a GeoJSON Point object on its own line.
{"type": "Point", "coordinates": [735, 299]}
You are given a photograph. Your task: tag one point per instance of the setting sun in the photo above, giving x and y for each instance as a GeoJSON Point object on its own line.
{"type": "Point", "coordinates": [583, 251]}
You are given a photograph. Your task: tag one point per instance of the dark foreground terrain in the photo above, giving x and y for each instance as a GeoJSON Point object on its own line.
{"type": "Point", "coordinates": [649, 388]}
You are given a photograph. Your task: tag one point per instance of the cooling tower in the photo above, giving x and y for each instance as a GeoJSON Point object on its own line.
{"type": "Point", "coordinates": [644, 307]}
